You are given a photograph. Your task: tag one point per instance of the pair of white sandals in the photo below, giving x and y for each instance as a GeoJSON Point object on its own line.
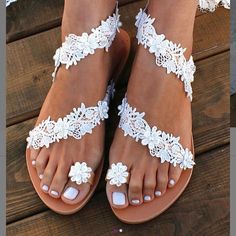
{"type": "Point", "coordinates": [83, 120]}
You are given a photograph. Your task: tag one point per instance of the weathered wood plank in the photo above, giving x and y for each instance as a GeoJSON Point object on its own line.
{"type": "Point", "coordinates": [210, 130]}
{"type": "Point", "coordinates": [30, 60]}
{"type": "Point", "coordinates": [233, 111]}
{"type": "Point", "coordinates": [203, 209]}
{"type": "Point", "coordinates": [29, 17]}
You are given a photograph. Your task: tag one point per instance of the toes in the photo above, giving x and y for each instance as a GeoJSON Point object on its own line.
{"type": "Point", "coordinates": [74, 193]}
{"type": "Point", "coordinates": [162, 179]}
{"type": "Point", "coordinates": [149, 185]}
{"type": "Point", "coordinates": [48, 175]}
{"type": "Point", "coordinates": [117, 196]}
{"type": "Point", "coordinates": [174, 174]}
{"type": "Point", "coordinates": [41, 162]}
{"type": "Point", "coordinates": [33, 155]}
{"type": "Point", "coordinates": [136, 188]}
{"type": "Point", "coordinates": [59, 181]}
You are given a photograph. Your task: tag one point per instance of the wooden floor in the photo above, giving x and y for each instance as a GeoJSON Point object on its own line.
{"type": "Point", "coordinates": [33, 34]}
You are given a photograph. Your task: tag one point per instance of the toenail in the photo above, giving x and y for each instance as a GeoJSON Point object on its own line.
{"type": "Point", "coordinates": [171, 182]}
{"type": "Point", "coordinates": [71, 193]}
{"type": "Point", "coordinates": [135, 201]}
{"type": "Point", "coordinates": [33, 162]}
{"type": "Point", "coordinates": [45, 188]}
{"type": "Point", "coordinates": [147, 198]}
{"type": "Point", "coordinates": [158, 193]}
{"type": "Point", "coordinates": [118, 198]}
{"type": "Point", "coordinates": [55, 193]}
{"type": "Point", "coordinates": [41, 176]}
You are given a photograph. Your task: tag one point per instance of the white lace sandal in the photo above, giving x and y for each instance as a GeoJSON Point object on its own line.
{"type": "Point", "coordinates": [160, 144]}
{"type": "Point", "coordinates": [81, 120]}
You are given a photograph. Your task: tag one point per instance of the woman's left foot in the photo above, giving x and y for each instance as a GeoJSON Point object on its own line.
{"type": "Point", "coordinates": [162, 97]}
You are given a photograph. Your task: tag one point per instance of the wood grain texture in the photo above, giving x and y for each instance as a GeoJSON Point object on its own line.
{"type": "Point", "coordinates": [29, 17]}
{"type": "Point", "coordinates": [211, 129]}
{"type": "Point", "coordinates": [30, 60]}
{"type": "Point", "coordinates": [233, 111]}
{"type": "Point", "coordinates": [203, 209]}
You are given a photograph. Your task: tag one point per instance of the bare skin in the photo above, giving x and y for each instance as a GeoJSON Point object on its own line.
{"type": "Point", "coordinates": [161, 96]}
{"type": "Point", "coordinates": [85, 83]}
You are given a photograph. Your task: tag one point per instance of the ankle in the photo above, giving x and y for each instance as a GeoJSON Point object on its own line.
{"type": "Point", "coordinates": [175, 20]}
{"type": "Point", "coordinates": [82, 15]}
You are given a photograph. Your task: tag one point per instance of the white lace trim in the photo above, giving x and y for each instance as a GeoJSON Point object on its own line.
{"type": "Point", "coordinates": [76, 47]}
{"type": "Point", "coordinates": [8, 2]}
{"type": "Point", "coordinates": [168, 54]}
{"type": "Point", "coordinates": [211, 5]}
{"type": "Point", "coordinates": [79, 122]}
{"type": "Point", "coordinates": [160, 144]}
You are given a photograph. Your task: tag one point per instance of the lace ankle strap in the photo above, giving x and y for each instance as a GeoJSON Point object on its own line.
{"type": "Point", "coordinates": [168, 54]}
{"type": "Point", "coordinates": [211, 5]}
{"type": "Point", "coordinates": [76, 48]}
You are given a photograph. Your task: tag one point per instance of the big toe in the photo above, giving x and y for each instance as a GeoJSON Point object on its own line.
{"type": "Point", "coordinates": [74, 193]}
{"type": "Point", "coordinates": [117, 196]}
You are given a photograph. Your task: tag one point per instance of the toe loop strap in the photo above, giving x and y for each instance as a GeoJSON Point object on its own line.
{"type": "Point", "coordinates": [118, 174]}
{"type": "Point", "coordinates": [161, 145]}
{"type": "Point", "coordinates": [80, 173]}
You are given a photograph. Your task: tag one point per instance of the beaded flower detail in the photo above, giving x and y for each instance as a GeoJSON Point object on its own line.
{"type": "Point", "coordinates": [117, 174]}
{"type": "Point", "coordinates": [168, 54]}
{"type": "Point", "coordinates": [162, 145]}
{"type": "Point", "coordinates": [80, 173]}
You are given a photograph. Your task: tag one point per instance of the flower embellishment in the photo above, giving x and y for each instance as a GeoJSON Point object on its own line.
{"type": "Point", "coordinates": [117, 174]}
{"type": "Point", "coordinates": [80, 173]}
{"type": "Point", "coordinates": [161, 145]}
{"type": "Point", "coordinates": [103, 110]}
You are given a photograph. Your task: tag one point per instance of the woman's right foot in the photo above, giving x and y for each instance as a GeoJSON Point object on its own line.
{"type": "Point", "coordinates": [87, 83]}
{"type": "Point", "coordinates": [162, 97]}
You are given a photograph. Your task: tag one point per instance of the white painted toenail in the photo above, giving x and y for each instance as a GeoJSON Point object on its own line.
{"type": "Point", "coordinates": [33, 163]}
{"type": "Point", "coordinates": [41, 176]}
{"type": "Point", "coordinates": [147, 198]}
{"type": "Point", "coordinates": [55, 193]}
{"type": "Point", "coordinates": [71, 193]}
{"type": "Point", "coordinates": [118, 198]}
{"type": "Point", "coordinates": [45, 188]}
{"type": "Point", "coordinates": [171, 182]}
{"type": "Point", "coordinates": [135, 202]}
{"type": "Point", "coordinates": [158, 193]}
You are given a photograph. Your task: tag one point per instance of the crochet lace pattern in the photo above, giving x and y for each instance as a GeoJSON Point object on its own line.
{"type": "Point", "coordinates": [79, 122]}
{"type": "Point", "coordinates": [168, 54]}
{"type": "Point", "coordinates": [76, 48]}
{"type": "Point", "coordinates": [162, 145]}
{"type": "Point", "coordinates": [211, 5]}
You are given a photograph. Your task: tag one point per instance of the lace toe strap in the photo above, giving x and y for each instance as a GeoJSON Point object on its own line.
{"type": "Point", "coordinates": [211, 5]}
{"type": "Point", "coordinates": [161, 145]}
{"type": "Point", "coordinates": [80, 173]}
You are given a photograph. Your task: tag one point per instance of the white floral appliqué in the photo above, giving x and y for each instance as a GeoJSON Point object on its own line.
{"type": "Point", "coordinates": [117, 174]}
{"type": "Point", "coordinates": [162, 145]}
{"type": "Point", "coordinates": [79, 122]}
{"type": "Point", "coordinates": [80, 173]}
{"type": "Point", "coordinates": [168, 54]}
{"type": "Point", "coordinates": [211, 5]}
{"type": "Point", "coordinates": [8, 2]}
{"type": "Point", "coordinates": [75, 48]}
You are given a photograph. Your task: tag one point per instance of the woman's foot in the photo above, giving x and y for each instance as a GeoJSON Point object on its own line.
{"type": "Point", "coordinates": [161, 96]}
{"type": "Point", "coordinates": [87, 83]}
